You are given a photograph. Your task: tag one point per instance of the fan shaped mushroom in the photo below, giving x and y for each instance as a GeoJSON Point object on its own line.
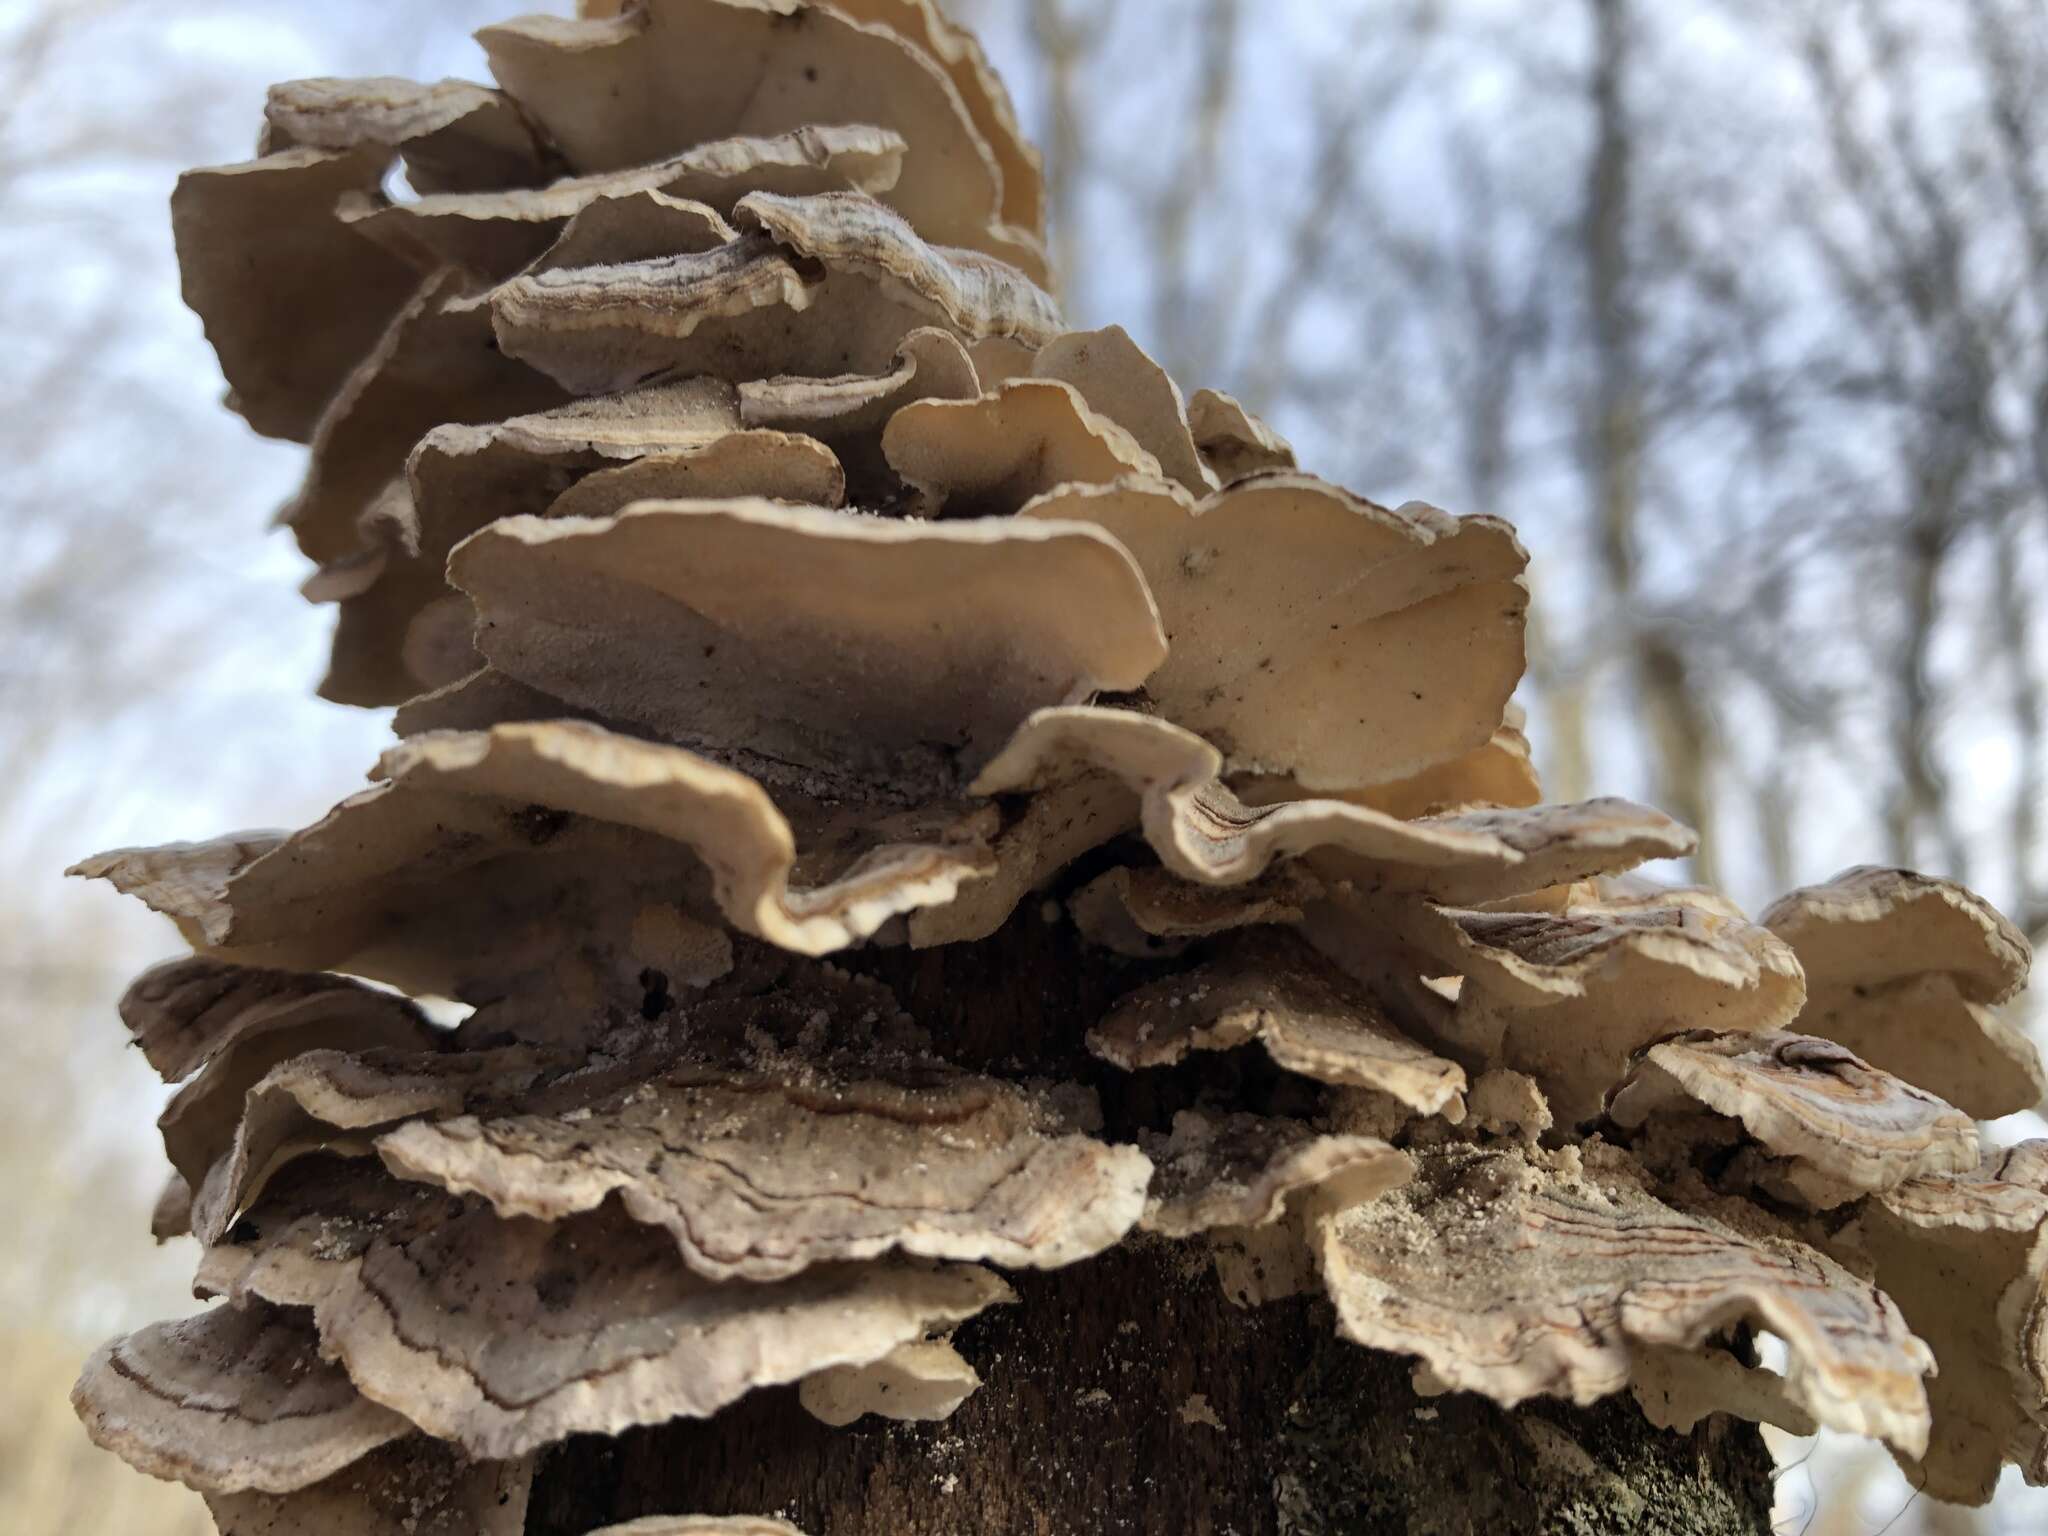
{"type": "Point", "coordinates": [1310, 628]}
{"type": "Point", "coordinates": [1233, 442]}
{"type": "Point", "coordinates": [1906, 970]}
{"type": "Point", "coordinates": [759, 1174]}
{"type": "Point", "coordinates": [1966, 1258]}
{"type": "Point", "coordinates": [621, 91]}
{"type": "Point", "coordinates": [913, 1384]}
{"type": "Point", "coordinates": [1842, 1128]}
{"type": "Point", "coordinates": [235, 1398]}
{"type": "Point", "coordinates": [1306, 1014]}
{"type": "Point", "coordinates": [1241, 1170]}
{"type": "Point", "coordinates": [1569, 997]}
{"type": "Point", "coordinates": [1515, 1274]}
{"type": "Point", "coordinates": [817, 285]}
{"type": "Point", "coordinates": [506, 1335]}
{"type": "Point", "coordinates": [494, 234]}
{"type": "Point", "coordinates": [856, 649]}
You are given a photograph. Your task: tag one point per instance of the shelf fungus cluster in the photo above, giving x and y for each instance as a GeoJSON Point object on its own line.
{"type": "Point", "coordinates": [769, 584]}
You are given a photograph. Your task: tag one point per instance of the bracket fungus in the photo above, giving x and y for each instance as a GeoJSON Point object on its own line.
{"type": "Point", "coordinates": [786, 609]}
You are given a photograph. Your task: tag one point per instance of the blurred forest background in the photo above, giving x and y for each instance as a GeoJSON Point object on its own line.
{"type": "Point", "coordinates": [1737, 308]}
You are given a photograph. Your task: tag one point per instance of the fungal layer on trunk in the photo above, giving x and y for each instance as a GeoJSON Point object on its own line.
{"type": "Point", "coordinates": [767, 578]}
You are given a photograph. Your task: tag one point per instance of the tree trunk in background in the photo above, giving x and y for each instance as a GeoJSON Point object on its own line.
{"type": "Point", "coordinates": [1679, 731]}
{"type": "Point", "coordinates": [1128, 1396]}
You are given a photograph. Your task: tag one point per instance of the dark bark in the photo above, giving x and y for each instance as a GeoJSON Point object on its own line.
{"type": "Point", "coordinates": [1088, 1422]}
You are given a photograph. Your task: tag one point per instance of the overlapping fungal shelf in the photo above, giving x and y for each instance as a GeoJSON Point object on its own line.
{"type": "Point", "coordinates": [764, 573]}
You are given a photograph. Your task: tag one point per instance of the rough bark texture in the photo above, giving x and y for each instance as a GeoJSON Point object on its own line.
{"type": "Point", "coordinates": [1127, 1397]}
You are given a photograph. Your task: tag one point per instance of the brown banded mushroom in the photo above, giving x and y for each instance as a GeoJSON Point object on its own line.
{"type": "Point", "coordinates": [1834, 1127]}
{"type": "Point", "coordinates": [1569, 997]}
{"type": "Point", "coordinates": [1516, 1274]}
{"type": "Point", "coordinates": [234, 1399]}
{"type": "Point", "coordinates": [328, 1104]}
{"type": "Point", "coordinates": [200, 1122]}
{"type": "Point", "coordinates": [1907, 971]}
{"type": "Point", "coordinates": [465, 828]}
{"type": "Point", "coordinates": [759, 1174]}
{"type": "Point", "coordinates": [506, 1335]}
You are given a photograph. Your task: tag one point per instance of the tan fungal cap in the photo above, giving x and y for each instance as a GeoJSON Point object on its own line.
{"type": "Point", "coordinates": [1504, 1102]}
{"type": "Point", "coordinates": [469, 827]}
{"type": "Point", "coordinates": [1314, 633]}
{"type": "Point", "coordinates": [1500, 773]}
{"type": "Point", "coordinates": [1518, 1274]}
{"type": "Point", "coordinates": [494, 234]}
{"type": "Point", "coordinates": [1306, 1014]}
{"type": "Point", "coordinates": [822, 286]}
{"type": "Point", "coordinates": [1676, 1388]}
{"type": "Point", "coordinates": [182, 1012]}
{"type": "Point", "coordinates": [1872, 925]}
{"type": "Point", "coordinates": [1569, 997]}
{"type": "Point", "coordinates": [199, 1123]}
{"type": "Point", "coordinates": [263, 255]}
{"type": "Point", "coordinates": [918, 1383]}
{"type": "Point", "coordinates": [433, 364]}
{"type": "Point", "coordinates": [505, 1336]}
{"type": "Point", "coordinates": [1844, 1128]}
{"type": "Point", "coordinates": [873, 649]}
{"type": "Point", "coordinates": [589, 457]}
{"type": "Point", "coordinates": [758, 1173]}
{"type": "Point", "coordinates": [1906, 971]}
{"type": "Point", "coordinates": [454, 136]}
{"type": "Point", "coordinates": [1233, 442]}
{"type": "Point", "coordinates": [389, 1268]}
{"type": "Point", "coordinates": [327, 1104]}
{"type": "Point", "coordinates": [1117, 380]}
{"type": "Point", "coordinates": [1203, 832]}
{"type": "Point", "coordinates": [627, 90]}
{"type": "Point", "coordinates": [1019, 439]}
{"type": "Point", "coordinates": [924, 23]}
{"type": "Point", "coordinates": [1241, 1170]}
{"type": "Point", "coordinates": [1052, 830]}
{"type": "Point", "coordinates": [229, 1400]}
{"type": "Point", "coordinates": [1966, 1258]}
{"type": "Point", "coordinates": [848, 412]}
